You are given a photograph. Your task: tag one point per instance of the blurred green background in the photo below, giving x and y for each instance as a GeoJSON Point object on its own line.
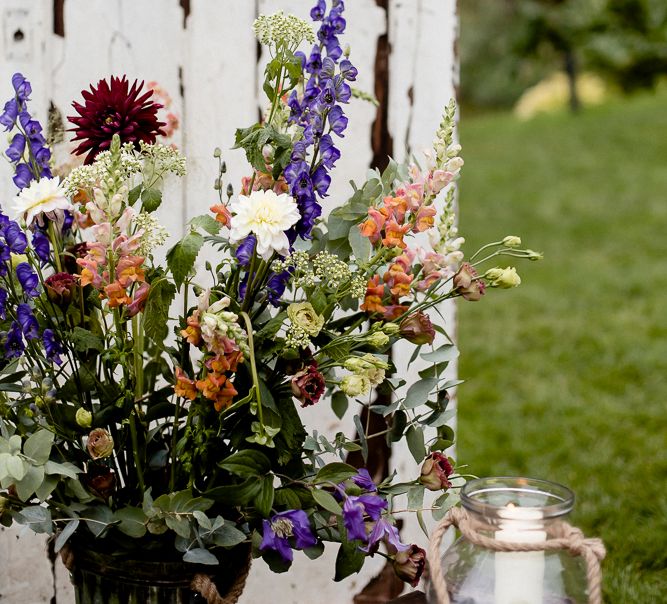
{"type": "Point", "coordinates": [566, 376]}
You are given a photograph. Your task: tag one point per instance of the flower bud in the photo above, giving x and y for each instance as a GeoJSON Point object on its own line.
{"type": "Point", "coordinates": [512, 241]}
{"type": "Point", "coordinates": [100, 443]}
{"type": "Point", "coordinates": [308, 385]}
{"type": "Point", "coordinates": [391, 329]}
{"type": "Point", "coordinates": [533, 255]}
{"type": "Point", "coordinates": [504, 278]}
{"type": "Point", "coordinates": [417, 328]}
{"type": "Point", "coordinates": [60, 288]}
{"type": "Point", "coordinates": [377, 339]}
{"type": "Point", "coordinates": [83, 417]}
{"type": "Point", "coordinates": [466, 283]}
{"type": "Point", "coordinates": [355, 384]}
{"type": "Point", "coordinates": [303, 315]}
{"type": "Point", "coordinates": [356, 365]}
{"type": "Point", "coordinates": [100, 480]}
{"type": "Point", "coordinates": [435, 472]}
{"type": "Point", "coordinates": [409, 564]}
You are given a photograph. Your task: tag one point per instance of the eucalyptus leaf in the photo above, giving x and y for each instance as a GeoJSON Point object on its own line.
{"type": "Point", "coordinates": [415, 440]}
{"type": "Point", "coordinates": [38, 446]}
{"type": "Point", "coordinates": [200, 555]}
{"type": "Point", "coordinates": [446, 352]}
{"type": "Point", "coordinates": [419, 392]}
{"type": "Point", "coordinates": [65, 534]}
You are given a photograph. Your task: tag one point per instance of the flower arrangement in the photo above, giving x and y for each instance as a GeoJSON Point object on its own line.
{"type": "Point", "coordinates": [127, 424]}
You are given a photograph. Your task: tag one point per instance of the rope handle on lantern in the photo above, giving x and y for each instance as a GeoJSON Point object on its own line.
{"type": "Point", "coordinates": [565, 537]}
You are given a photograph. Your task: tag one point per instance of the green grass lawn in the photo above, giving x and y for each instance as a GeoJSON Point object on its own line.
{"type": "Point", "coordinates": [566, 376]}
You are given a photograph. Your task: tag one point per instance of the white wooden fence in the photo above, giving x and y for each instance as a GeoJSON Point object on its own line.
{"type": "Point", "coordinates": [204, 54]}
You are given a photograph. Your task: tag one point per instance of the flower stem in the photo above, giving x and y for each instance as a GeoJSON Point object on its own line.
{"type": "Point", "coordinates": [253, 367]}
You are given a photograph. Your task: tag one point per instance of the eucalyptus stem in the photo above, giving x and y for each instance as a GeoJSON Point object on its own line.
{"type": "Point", "coordinates": [135, 450]}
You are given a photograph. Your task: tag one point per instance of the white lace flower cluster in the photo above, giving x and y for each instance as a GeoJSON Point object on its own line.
{"type": "Point", "coordinates": [154, 234]}
{"type": "Point", "coordinates": [98, 173]}
{"type": "Point", "coordinates": [163, 158]}
{"type": "Point", "coordinates": [325, 269]}
{"type": "Point", "coordinates": [280, 29]}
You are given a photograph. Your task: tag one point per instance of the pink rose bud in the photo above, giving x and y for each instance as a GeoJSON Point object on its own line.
{"type": "Point", "coordinates": [467, 284]}
{"type": "Point", "coordinates": [435, 472]}
{"type": "Point", "coordinates": [308, 385]}
{"type": "Point", "coordinates": [100, 443]}
{"type": "Point", "coordinates": [417, 328]}
{"type": "Point", "coordinates": [409, 564]}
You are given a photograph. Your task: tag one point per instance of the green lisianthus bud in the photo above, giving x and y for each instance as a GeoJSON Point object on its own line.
{"type": "Point", "coordinates": [534, 256]}
{"type": "Point", "coordinates": [355, 384]}
{"type": "Point", "coordinates": [391, 329]}
{"type": "Point", "coordinates": [505, 278]}
{"type": "Point", "coordinates": [356, 365]}
{"type": "Point", "coordinates": [512, 241]}
{"type": "Point", "coordinates": [378, 339]}
{"type": "Point", "coordinates": [84, 418]}
{"type": "Point", "coordinates": [303, 315]}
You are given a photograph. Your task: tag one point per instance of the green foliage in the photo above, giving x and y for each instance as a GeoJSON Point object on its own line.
{"type": "Point", "coordinates": [181, 258]}
{"type": "Point", "coordinates": [156, 317]}
{"type": "Point", "coordinates": [580, 355]}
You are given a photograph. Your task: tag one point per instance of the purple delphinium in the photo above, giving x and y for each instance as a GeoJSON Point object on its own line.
{"type": "Point", "coordinates": [14, 345]}
{"type": "Point", "coordinates": [28, 138]}
{"type": "Point", "coordinates": [319, 113]}
{"type": "Point", "coordinates": [41, 245]}
{"type": "Point", "coordinates": [3, 303]}
{"type": "Point", "coordinates": [28, 279]}
{"type": "Point", "coordinates": [52, 347]}
{"type": "Point", "coordinates": [356, 508]}
{"type": "Point", "coordinates": [27, 320]}
{"type": "Point", "coordinates": [282, 527]}
{"type": "Point", "coordinates": [15, 237]}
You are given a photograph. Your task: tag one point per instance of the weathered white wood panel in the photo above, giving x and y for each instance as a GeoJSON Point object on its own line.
{"type": "Point", "coordinates": [208, 64]}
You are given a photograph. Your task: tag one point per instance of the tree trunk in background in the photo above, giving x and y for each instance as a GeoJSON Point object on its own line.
{"type": "Point", "coordinates": [570, 64]}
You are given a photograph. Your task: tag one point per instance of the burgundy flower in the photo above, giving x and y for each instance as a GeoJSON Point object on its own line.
{"type": "Point", "coordinates": [436, 471]}
{"type": "Point", "coordinates": [60, 288]}
{"type": "Point", "coordinates": [308, 385]}
{"type": "Point", "coordinates": [115, 108]}
{"type": "Point", "coordinates": [417, 328]}
{"type": "Point", "coordinates": [100, 480]}
{"type": "Point", "coordinates": [409, 564]}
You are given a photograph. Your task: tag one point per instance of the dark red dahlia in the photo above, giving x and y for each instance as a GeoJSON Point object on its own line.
{"type": "Point", "coordinates": [114, 108]}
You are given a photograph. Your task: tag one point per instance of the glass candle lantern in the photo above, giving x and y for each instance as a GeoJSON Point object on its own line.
{"type": "Point", "coordinates": [515, 510]}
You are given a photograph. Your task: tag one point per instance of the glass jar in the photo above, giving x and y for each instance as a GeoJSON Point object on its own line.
{"type": "Point", "coordinates": [519, 510]}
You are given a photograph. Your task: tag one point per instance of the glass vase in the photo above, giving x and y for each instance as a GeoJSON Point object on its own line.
{"type": "Point", "coordinates": [517, 510]}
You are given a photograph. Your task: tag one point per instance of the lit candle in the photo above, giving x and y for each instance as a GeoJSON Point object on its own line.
{"type": "Point", "coordinates": [520, 575]}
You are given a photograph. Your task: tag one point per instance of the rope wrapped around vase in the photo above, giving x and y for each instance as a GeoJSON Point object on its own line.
{"type": "Point", "coordinates": [563, 536]}
{"type": "Point", "coordinates": [201, 583]}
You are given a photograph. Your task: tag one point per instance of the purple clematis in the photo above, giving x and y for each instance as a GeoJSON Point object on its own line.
{"type": "Point", "coordinates": [355, 508]}
{"type": "Point", "coordinates": [383, 529]}
{"type": "Point", "coordinates": [283, 527]}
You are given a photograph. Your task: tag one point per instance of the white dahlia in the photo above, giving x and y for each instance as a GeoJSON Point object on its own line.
{"type": "Point", "coordinates": [44, 196]}
{"type": "Point", "coordinates": [267, 216]}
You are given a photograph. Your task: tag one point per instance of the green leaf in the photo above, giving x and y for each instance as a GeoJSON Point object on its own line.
{"type": "Point", "coordinates": [228, 535]}
{"type": "Point", "coordinates": [361, 433]}
{"type": "Point", "coordinates": [37, 518]}
{"type": "Point", "coordinates": [98, 519]}
{"type": "Point", "coordinates": [38, 446]}
{"type": "Point", "coordinates": [444, 503]}
{"type": "Point", "coordinates": [248, 462]}
{"type": "Point", "coordinates": [447, 352]}
{"type": "Point", "coordinates": [151, 199]}
{"type": "Point", "coordinates": [349, 560]}
{"type": "Point", "coordinates": [287, 498]}
{"type": "Point", "coordinates": [46, 488]}
{"type": "Point", "coordinates": [16, 467]}
{"type": "Point", "coordinates": [65, 534]}
{"type": "Point", "coordinates": [181, 258]}
{"type": "Point", "coordinates": [398, 424]}
{"type": "Point", "coordinates": [339, 404]}
{"type": "Point", "coordinates": [335, 472]}
{"type": "Point", "coordinates": [207, 223]}
{"type": "Point", "coordinates": [64, 469]}
{"type": "Point", "coordinates": [156, 314]}
{"type": "Point", "coordinates": [30, 483]}
{"type": "Point", "coordinates": [179, 524]}
{"type": "Point", "coordinates": [415, 440]}
{"type": "Point", "coordinates": [199, 555]}
{"type": "Point", "coordinates": [132, 521]}
{"type": "Point", "coordinates": [416, 497]}
{"type": "Point", "coordinates": [264, 499]}
{"type": "Point", "coordinates": [134, 194]}
{"type": "Point", "coordinates": [418, 393]}
{"type": "Point", "coordinates": [361, 246]}
{"type": "Point", "coordinates": [235, 494]}
{"type": "Point", "coordinates": [327, 501]}
{"type": "Point", "coordinates": [84, 340]}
